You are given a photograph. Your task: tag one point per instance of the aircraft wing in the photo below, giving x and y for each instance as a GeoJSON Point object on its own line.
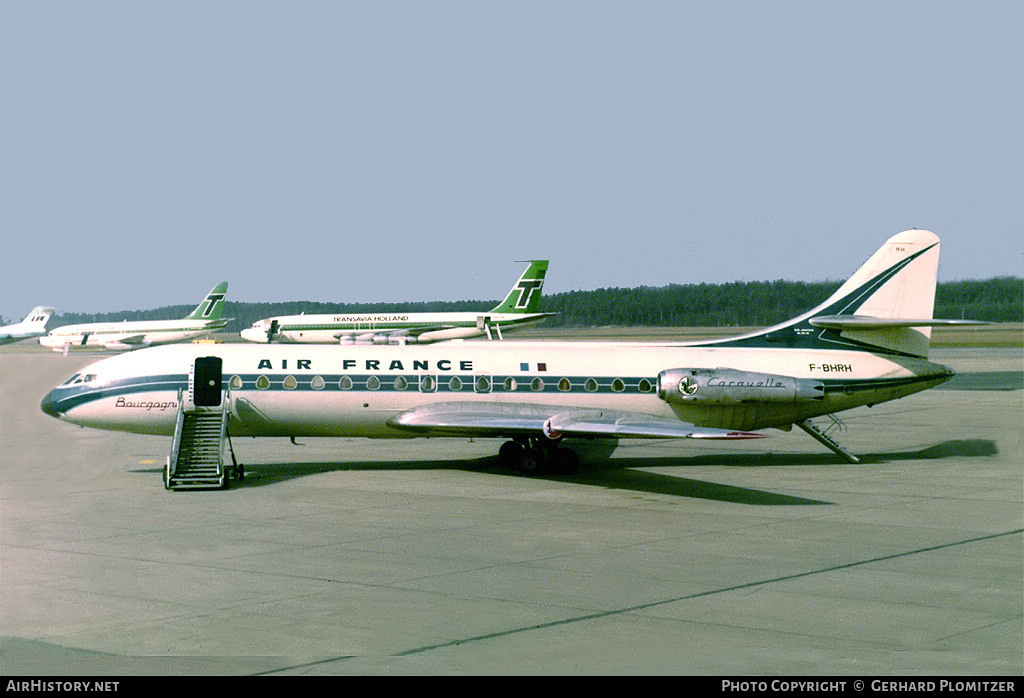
{"type": "Point", "coordinates": [129, 342]}
{"type": "Point", "coordinates": [399, 332]}
{"type": "Point", "coordinates": [487, 419]}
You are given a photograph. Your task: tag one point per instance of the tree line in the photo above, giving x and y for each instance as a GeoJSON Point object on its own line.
{"type": "Point", "coordinates": [746, 304]}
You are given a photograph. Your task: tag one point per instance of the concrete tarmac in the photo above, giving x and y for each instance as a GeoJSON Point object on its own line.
{"type": "Point", "coordinates": [351, 556]}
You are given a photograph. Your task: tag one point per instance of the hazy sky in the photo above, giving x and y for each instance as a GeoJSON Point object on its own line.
{"type": "Point", "coordinates": [379, 150]}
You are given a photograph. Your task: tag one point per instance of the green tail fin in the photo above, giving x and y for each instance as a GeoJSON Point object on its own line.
{"type": "Point", "coordinates": [525, 295]}
{"type": "Point", "coordinates": [212, 306]}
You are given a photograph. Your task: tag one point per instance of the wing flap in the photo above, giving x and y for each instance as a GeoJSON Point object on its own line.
{"type": "Point", "coordinates": [506, 420]}
{"type": "Point", "coordinates": [629, 425]}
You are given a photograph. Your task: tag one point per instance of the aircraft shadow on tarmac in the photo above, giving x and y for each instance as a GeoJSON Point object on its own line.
{"type": "Point", "coordinates": [612, 475]}
{"type": "Point", "coordinates": [625, 473]}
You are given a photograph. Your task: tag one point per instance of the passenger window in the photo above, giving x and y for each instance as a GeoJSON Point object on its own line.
{"type": "Point", "coordinates": [401, 383]}
{"type": "Point", "coordinates": [564, 384]}
{"type": "Point", "coordinates": [373, 383]}
{"type": "Point", "coordinates": [645, 386]}
{"type": "Point", "coordinates": [590, 386]}
{"type": "Point", "coordinates": [345, 383]}
{"type": "Point", "coordinates": [510, 384]}
{"type": "Point", "coordinates": [290, 383]}
{"type": "Point", "coordinates": [618, 386]}
{"type": "Point", "coordinates": [262, 382]}
{"type": "Point", "coordinates": [317, 383]}
{"type": "Point", "coordinates": [455, 384]}
{"type": "Point", "coordinates": [428, 384]}
{"type": "Point", "coordinates": [537, 385]}
{"type": "Point", "coordinates": [483, 384]}
{"type": "Point", "coordinates": [235, 383]}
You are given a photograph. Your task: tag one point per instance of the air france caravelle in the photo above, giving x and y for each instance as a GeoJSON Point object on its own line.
{"type": "Point", "coordinates": [135, 334]}
{"type": "Point", "coordinates": [866, 344]}
{"type": "Point", "coordinates": [34, 325]}
{"type": "Point", "coordinates": [519, 309]}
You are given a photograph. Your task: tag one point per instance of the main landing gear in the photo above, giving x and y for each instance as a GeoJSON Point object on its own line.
{"type": "Point", "coordinates": [533, 456]}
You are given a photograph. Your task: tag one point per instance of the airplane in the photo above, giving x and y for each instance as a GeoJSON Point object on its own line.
{"type": "Point", "coordinates": [33, 325]}
{"type": "Point", "coordinates": [866, 344]}
{"type": "Point", "coordinates": [519, 309]}
{"type": "Point", "coordinates": [135, 334]}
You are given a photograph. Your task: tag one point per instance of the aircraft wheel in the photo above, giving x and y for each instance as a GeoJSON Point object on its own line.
{"type": "Point", "coordinates": [532, 462]}
{"type": "Point", "coordinates": [510, 455]}
{"type": "Point", "coordinates": [566, 460]}
{"type": "Point", "coordinates": [525, 458]}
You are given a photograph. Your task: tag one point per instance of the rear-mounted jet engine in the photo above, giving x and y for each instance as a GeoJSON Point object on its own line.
{"type": "Point", "coordinates": [726, 385]}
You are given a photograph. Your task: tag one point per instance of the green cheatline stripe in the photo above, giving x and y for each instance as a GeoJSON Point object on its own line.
{"type": "Point", "coordinates": [382, 326]}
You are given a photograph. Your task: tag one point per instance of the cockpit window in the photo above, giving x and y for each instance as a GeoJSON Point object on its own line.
{"type": "Point", "coordinates": [80, 378]}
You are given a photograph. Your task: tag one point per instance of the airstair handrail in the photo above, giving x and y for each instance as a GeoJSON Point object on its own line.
{"type": "Point", "coordinates": [179, 421]}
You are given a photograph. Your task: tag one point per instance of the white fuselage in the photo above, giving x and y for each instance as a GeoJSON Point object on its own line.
{"type": "Point", "coordinates": [367, 328]}
{"type": "Point", "coordinates": [128, 334]}
{"type": "Point", "coordinates": [15, 333]}
{"type": "Point", "coordinates": [354, 390]}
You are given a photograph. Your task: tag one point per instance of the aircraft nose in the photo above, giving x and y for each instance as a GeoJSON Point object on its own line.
{"type": "Point", "coordinates": [49, 405]}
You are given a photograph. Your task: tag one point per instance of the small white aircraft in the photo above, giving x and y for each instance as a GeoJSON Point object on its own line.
{"type": "Point", "coordinates": [34, 325]}
{"type": "Point", "coordinates": [866, 344]}
{"type": "Point", "coordinates": [519, 309]}
{"type": "Point", "coordinates": [135, 334]}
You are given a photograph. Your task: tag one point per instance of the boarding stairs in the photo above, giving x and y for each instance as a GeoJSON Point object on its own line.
{"type": "Point", "coordinates": [200, 444]}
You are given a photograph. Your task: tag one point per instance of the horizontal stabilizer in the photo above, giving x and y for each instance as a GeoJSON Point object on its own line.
{"type": "Point", "coordinates": [864, 322]}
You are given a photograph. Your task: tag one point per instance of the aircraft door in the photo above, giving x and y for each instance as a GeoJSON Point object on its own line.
{"type": "Point", "coordinates": [483, 322]}
{"type": "Point", "coordinates": [206, 386]}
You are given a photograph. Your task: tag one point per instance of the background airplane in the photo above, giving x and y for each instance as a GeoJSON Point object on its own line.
{"type": "Point", "coordinates": [206, 318]}
{"type": "Point", "coordinates": [34, 325]}
{"type": "Point", "coordinates": [867, 344]}
{"type": "Point", "coordinates": [519, 309]}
